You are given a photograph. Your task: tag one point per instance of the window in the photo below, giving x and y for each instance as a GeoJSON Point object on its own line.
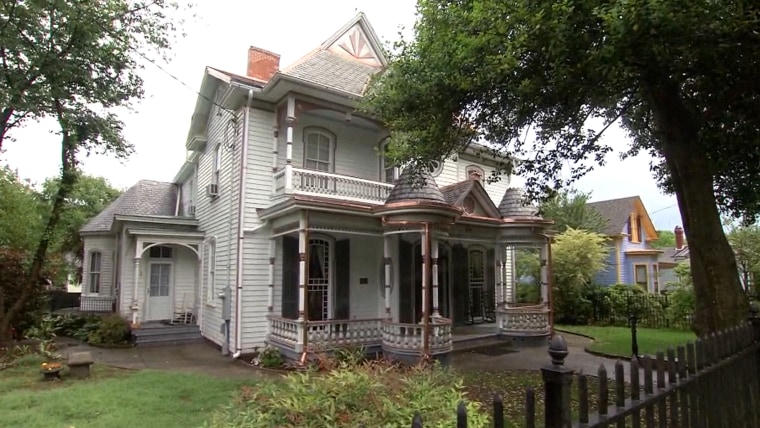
{"type": "Point", "coordinates": [389, 171]}
{"type": "Point", "coordinates": [96, 259]}
{"type": "Point", "coordinates": [319, 280]}
{"type": "Point", "coordinates": [217, 164]}
{"type": "Point", "coordinates": [633, 228]}
{"type": "Point", "coordinates": [210, 272]}
{"type": "Point", "coordinates": [318, 149]}
{"type": "Point", "coordinates": [160, 252]}
{"type": "Point", "coordinates": [475, 172]}
{"type": "Point", "coordinates": [641, 276]}
{"type": "Point", "coordinates": [435, 167]}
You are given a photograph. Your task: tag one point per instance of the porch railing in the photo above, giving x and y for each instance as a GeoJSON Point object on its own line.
{"type": "Point", "coordinates": [284, 331]}
{"type": "Point", "coordinates": [327, 335]}
{"type": "Point", "coordinates": [337, 333]}
{"type": "Point", "coordinates": [406, 338]}
{"type": "Point", "coordinates": [523, 320]}
{"type": "Point", "coordinates": [317, 183]}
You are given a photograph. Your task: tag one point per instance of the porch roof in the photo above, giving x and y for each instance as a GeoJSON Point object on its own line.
{"type": "Point", "coordinates": [183, 235]}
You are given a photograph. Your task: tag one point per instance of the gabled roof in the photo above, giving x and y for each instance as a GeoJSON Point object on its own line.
{"type": "Point", "coordinates": [146, 198]}
{"type": "Point", "coordinates": [454, 194]}
{"type": "Point", "coordinates": [616, 212]}
{"type": "Point", "coordinates": [345, 61]}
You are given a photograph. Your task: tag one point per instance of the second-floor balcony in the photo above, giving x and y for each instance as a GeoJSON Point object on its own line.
{"type": "Point", "coordinates": [291, 180]}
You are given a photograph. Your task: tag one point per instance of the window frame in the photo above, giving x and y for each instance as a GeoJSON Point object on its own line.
{"type": "Point", "coordinates": [92, 273]}
{"type": "Point", "coordinates": [468, 171]}
{"type": "Point", "coordinates": [384, 169]}
{"type": "Point", "coordinates": [161, 254]}
{"type": "Point", "coordinates": [216, 166]}
{"type": "Point", "coordinates": [636, 267]}
{"type": "Point", "coordinates": [332, 140]}
{"type": "Point", "coordinates": [211, 272]}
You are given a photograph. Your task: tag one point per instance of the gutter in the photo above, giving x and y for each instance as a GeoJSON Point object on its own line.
{"type": "Point", "coordinates": [241, 228]}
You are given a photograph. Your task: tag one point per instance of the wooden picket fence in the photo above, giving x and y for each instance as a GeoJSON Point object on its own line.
{"type": "Point", "coordinates": [712, 382]}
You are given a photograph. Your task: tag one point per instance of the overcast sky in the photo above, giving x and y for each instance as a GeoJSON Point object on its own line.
{"type": "Point", "coordinates": [220, 37]}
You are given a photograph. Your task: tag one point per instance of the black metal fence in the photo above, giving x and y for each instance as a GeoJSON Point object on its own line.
{"type": "Point", "coordinates": [61, 299]}
{"type": "Point", "coordinates": [651, 310]}
{"type": "Point", "coordinates": [689, 386]}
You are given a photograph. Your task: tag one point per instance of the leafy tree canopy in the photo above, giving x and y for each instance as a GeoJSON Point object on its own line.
{"type": "Point", "coordinates": [20, 212]}
{"type": "Point", "coordinates": [541, 80]}
{"type": "Point", "coordinates": [665, 239]}
{"type": "Point", "coordinates": [569, 209]}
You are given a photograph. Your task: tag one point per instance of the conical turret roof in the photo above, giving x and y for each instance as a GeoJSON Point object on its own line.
{"type": "Point", "coordinates": [513, 204]}
{"type": "Point", "coordinates": [415, 186]}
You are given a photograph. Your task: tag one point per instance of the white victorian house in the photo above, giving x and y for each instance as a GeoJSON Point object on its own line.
{"type": "Point", "coordinates": [285, 227]}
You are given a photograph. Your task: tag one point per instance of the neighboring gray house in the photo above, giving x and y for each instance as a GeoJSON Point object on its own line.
{"type": "Point", "coordinates": [285, 226]}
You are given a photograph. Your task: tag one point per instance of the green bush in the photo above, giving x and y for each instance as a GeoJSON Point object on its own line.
{"type": "Point", "coordinates": [112, 330]}
{"type": "Point", "coordinates": [682, 304]}
{"type": "Point", "coordinates": [528, 293]}
{"type": "Point", "coordinates": [270, 358]}
{"type": "Point", "coordinates": [373, 394]}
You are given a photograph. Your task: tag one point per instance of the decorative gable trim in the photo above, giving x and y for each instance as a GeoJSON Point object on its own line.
{"type": "Point", "coordinates": [359, 41]}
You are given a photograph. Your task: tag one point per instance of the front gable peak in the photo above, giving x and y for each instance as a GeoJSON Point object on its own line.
{"type": "Point", "coordinates": [357, 40]}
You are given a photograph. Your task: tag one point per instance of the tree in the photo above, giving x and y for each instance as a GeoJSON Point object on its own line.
{"type": "Point", "coordinates": [20, 213]}
{"type": "Point", "coordinates": [577, 255]}
{"type": "Point", "coordinates": [74, 61]}
{"type": "Point", "coordinates": [665, 239]}
{"type": "Point", "coordinates": [541, 81]}
{"type": "Point", "coordinates": [569, 209]}
{"type": "Point", "coordinates": [88, 197]}
{"type": "Point", "coordinates": [745, 241]}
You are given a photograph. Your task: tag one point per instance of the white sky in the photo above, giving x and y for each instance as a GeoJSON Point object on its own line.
{"type": "Point", "coordinates": [220, 37]}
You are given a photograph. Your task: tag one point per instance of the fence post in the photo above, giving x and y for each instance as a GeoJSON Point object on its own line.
{"type": "Point", "coordinates": [557, 380]}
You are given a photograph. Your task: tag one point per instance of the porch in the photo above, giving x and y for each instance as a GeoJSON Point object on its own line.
{"type": "Point", "coordinates": [378, 336]}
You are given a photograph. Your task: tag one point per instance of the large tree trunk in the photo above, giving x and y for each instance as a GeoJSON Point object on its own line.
{"type": "Point", "coordinates": [720, 300]}
{"type": "Point", "coordinates": [32, 280]}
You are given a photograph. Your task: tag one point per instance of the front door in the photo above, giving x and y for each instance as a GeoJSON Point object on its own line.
{"type": "Point", "coordinates": [159, 292]}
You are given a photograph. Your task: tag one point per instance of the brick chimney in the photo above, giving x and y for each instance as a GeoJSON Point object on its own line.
{"type": "Point", "coordinates": [679, 237]}
{"type": "Point", "coordinates": [262, 64]}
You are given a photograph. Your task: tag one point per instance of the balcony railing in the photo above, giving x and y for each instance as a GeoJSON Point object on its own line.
{"type": "Point", "coordinates": [523, 320]}
{"type": "Point", "coordinates": [394, 337]}
{"type": "Point", "coordinates": [290, 180]}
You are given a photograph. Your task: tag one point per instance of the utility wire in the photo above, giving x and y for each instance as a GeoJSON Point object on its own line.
{"type": "Point", "coordinates": [663, 209]}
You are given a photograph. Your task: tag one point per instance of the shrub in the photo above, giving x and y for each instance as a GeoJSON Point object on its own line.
{"type": "Point", "coordinates": [373, 394]}
{"type": "Point", "coordinates": [271, 358]}
{"type": "Point", "coordinates": [112, 330]}
{"type": "Point", "coordinates": [528, 293]}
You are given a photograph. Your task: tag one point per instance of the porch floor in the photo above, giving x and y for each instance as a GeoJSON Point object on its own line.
{"type": "Point", "coordinates": [468, 337]}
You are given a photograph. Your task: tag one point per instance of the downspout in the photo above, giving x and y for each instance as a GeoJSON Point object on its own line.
{"type": "Point", "coordinates": [241, 229]}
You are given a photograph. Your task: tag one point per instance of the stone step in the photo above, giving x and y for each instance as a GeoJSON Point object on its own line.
{"type": "Point", "coordinates": [470, 343]}
{"type": "Point", "coordinates": [166, 330]}
{"type": "Point", "coordinates": [168, 338]}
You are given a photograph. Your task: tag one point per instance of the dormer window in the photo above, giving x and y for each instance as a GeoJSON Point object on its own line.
{"type": "Point", "coordinates": [475, 173]}
{"type": "Point", "coordinates": [319, 149]}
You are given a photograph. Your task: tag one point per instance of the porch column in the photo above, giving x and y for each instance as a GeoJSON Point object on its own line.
{"type": "Point", "coordinates": [302, 245]}
{"type": "Point", "coordinates": [135, 307]}
{"type": "Point", "coordinates": [544, 258]}
{"type": "Point", "coordinates": [424, 276]}
{"type": "Point", "coordinates": [270, 295]}
{"type": "Point", "coordinates": [388, 273]}
{"type": "Point", "coordinates": [509, 274]}
{"type": "Point", "coordinates": [434, 274]}
{"type": "Point", "coordinates": [275, 144]}
{"type": "Point", "coordinates": [501, 250]}
{"type": "Point", "coordinates": [291, 120]}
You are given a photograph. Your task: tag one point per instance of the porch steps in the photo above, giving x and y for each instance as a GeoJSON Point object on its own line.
{"type": "Point", "coordinates": [477, 341]}
{"type": "Point", "coordinates": [166, 334]}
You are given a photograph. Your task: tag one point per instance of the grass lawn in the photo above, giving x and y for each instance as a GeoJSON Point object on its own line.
{"type": "Point", "coordinates": [110, 398]}
{"type": "Point", "coordinates": [617, 340]}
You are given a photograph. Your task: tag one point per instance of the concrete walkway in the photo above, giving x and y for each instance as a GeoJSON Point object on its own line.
{"type": "Point", "coordinates": [202, 357]}
{"type": "Point", "coordinates": [194, 357]}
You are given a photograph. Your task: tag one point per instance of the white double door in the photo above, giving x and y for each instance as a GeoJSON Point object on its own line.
{"type": "Point", "coordinates": [159, 291]}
